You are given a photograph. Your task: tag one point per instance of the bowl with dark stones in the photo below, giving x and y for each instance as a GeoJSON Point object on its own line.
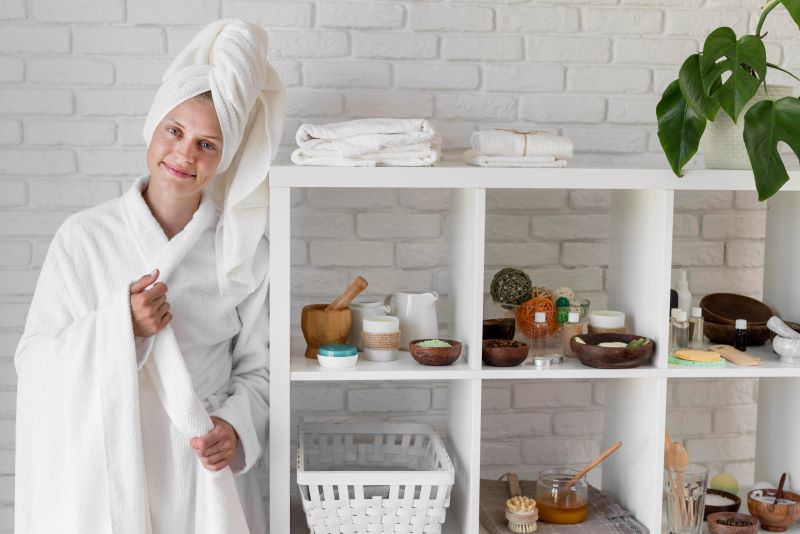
{"type": "Point", "coordinates": [732, 523]}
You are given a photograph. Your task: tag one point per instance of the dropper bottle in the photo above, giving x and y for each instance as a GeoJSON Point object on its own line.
{"type": "Point", "coordinates": [696, 325]}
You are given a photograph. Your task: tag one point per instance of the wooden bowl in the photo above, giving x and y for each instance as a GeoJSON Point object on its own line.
{"type": "Point", "coordinates": [774, 517]}
{"type": "Point", "coordinates": [714, 527]}
{"type": "Point", "coordinates": [499, 328]}
{"type": "Point", "coordinates": [723, 333]}
{"type": "Point", "coordinates": [609, 357]}
{"type": "Point", "coordinates": [435, 355]}
{"type": "Point", "coordinates": [322, 327]}
{"type": "Point", "coordinates": [725, 308]}
{"type": "Point", "coordinates": [504, 352]}
{"type": "Point", "coordinates": [712, 509]}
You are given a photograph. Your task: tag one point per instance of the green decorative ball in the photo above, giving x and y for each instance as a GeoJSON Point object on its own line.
{"type": "Point", "coordinates": [563, 315]}
{"type": "Point", "coordinates": [562, 302]}
{"type": "Point", "coordinates": [511, 286]}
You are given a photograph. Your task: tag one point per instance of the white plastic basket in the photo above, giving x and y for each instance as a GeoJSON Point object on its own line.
{"type": "Point", "coordinates": [373, 478]}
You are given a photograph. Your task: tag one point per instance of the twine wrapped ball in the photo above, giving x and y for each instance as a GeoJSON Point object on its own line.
{"type": "Point", "coordinates": [511, 286]}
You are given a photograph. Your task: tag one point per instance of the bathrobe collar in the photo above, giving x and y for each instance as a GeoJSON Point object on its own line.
{"type": "Point", "coordinates": [156, 250]}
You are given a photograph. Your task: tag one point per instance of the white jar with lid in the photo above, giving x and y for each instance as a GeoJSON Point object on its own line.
{"type": "Point", "coordinates": [606, 321]}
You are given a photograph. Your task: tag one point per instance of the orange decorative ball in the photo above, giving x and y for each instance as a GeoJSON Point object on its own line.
{"type": "Point", "coordinates": [527, 310]}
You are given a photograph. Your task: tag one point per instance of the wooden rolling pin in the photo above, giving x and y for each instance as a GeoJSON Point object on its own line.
{"type": "Point", "coordinates": [344, 300]}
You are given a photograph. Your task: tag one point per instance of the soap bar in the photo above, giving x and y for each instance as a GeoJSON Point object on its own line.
{"type": "Point", "coordinates": [697, 355]}
{"type": "Point", "coordinates": [736, 356]}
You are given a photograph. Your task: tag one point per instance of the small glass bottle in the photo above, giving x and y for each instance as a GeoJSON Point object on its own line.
{"type": "Point", "coordinates": [573, 327]}
{"type": "Point", "coordinates": [696, 325]}
{"type": "Point", "coordinates": [740, 336]}
{"type": "Point", "coordinates": [672, 316]}
{"type": "Point", "coordinates": [540, 332]}
{"type": "Point", "coordinates": [680, 331]}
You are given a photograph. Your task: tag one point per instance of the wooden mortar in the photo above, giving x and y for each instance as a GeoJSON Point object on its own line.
{"type": "Point", "coordinates": [322, 327]}
{"type": "Point", "coordinates": [325, 324]}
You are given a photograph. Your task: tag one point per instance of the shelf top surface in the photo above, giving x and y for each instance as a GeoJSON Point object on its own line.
{"type": "Point", "coordinates": [406, 368]}
{"type": "Point", "coordinates": [586, 171]}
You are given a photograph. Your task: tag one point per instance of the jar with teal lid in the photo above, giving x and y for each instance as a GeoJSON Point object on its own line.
{"type": "Point", "coordinates": [337, 356]}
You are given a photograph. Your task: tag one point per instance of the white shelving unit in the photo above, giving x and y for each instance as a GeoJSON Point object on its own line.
{"type": "Point", "coordinates": [638, 283]}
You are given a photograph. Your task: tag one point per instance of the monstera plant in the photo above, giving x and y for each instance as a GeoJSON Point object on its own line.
{"type": "Point", "coordinates": [727, 75]}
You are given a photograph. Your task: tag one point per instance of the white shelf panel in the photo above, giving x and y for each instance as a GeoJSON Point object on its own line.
{"type": "Point", "coordinates": [771, 366]}
{"type": "Point", "coordinates": [584, 172]}
{"type": "Point", "coordinates": [403, 368]}
{"type": "Point", "coordinates": [571, 369]}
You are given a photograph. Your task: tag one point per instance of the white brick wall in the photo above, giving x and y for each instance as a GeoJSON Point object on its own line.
{"type": "Point", "coordinates": [76, 79]}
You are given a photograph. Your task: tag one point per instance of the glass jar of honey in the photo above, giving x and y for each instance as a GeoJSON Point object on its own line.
{"type": "Point", "coordinates": [560, 502]}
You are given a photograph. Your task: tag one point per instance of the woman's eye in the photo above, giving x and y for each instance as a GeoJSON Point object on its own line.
{"type": "Point", "coordinates": [208, 146]}
{"type": "Point", "coordinates": [172, 130]}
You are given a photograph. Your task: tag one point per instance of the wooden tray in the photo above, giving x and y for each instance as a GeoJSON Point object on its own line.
{"type": "Point", "coordinates": [605, 516]}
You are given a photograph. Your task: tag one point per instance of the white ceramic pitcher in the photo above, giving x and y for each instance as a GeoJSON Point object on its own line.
{"type": "Point", "coordinates": [416, 310]}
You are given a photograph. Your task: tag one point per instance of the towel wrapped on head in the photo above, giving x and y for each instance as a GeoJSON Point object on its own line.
{"type": "Point", "coordinates": [229, 58]}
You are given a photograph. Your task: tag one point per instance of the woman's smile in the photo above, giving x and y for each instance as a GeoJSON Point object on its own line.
{"type": "Point", "coordinates": [178, 171]}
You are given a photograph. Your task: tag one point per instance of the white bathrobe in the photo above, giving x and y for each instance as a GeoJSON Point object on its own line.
{"type": "Point", "coordinates": [103, 425]}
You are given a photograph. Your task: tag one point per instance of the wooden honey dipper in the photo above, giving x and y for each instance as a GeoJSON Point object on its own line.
{"type": "Point", "coordinates": [344, 300]}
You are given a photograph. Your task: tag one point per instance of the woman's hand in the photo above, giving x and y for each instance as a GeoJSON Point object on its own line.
{"type": "Point", "coordinates": [217, 449]}
{"type": "Point", "coordinates": [149, 308]}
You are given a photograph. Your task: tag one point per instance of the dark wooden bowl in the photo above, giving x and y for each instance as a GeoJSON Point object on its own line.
{"type": "Point", "coordinates": [711, 509]}
{"type": "Point", "coordinates": [714, 527]}
{"type": "Point", "coordinates": [499, 328]}
{"type": "Point", "coordinates": [723, 333]}
{"type": "Point", "coordinates": [435, 355]}
{"type": "Point", "coordinates": [774, 517]}
{"type": "Point", "coordinates": [725, 308]}
{"type": "Point", "coordinates": [504, 352]}
{"type": "Point", "coordinates": [608, 357]}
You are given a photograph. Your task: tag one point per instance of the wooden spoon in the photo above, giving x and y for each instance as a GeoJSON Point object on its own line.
{"type": "Point", "coordinates": [779, 493]}
{"type": "Point", "coordinates": [593, 464]}
{"type": "Point", "coordinates": [678, 460]}
{"type": "Point", "coordinates": [667, 443]}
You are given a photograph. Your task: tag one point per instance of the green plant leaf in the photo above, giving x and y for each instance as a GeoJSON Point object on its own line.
{"type": "Point", "coordinates": [765, 124]}
{"type": "Point", "coordinates": [745, 60]}
{"type": "Point", "coordinates": [793, 7]}
{"type": "Point", "coordinates": [679, 127]}
{"type": "Point", "coordinates": [691, 82]}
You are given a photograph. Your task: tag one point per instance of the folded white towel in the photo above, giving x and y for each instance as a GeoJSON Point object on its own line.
{"type": "Point", "coordinates": [512, 161]}
{"type": "Point", "coordinates": [229, 58]}
{"type": "Point", "coordinates": [368, 142]}
{"type": "Point", "coordinates": [520, 143]}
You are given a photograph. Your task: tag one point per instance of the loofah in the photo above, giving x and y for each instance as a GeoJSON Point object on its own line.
{"type": "Point", "coordinates": [526, 313]}
{"type": "Point", "coordinates": [511, 286]}
{"type": "Point", "coordinates": [541, 292]}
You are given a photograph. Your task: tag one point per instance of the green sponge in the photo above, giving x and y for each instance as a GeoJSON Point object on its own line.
{"type": "Point", "coordinates": [677, 361]}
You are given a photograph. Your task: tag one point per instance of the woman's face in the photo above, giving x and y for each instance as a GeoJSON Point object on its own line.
{"type": "Point", "coordinates": [186, 149]}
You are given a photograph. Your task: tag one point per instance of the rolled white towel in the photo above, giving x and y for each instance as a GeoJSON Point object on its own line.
{"type": "Point", "coordinates": [512, 161]}
{"type": "Point", "coordinates": [501, 142]}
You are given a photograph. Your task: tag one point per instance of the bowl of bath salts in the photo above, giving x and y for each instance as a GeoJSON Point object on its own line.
{"type": "Point", "coordinates": [435, 351]}
{"type": "Point", "coordinates": [720, 501]}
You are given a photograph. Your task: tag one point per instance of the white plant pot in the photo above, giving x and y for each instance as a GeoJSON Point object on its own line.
{"type": "Point", "coordinates": [722, 144]}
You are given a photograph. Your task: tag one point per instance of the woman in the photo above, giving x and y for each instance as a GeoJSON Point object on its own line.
{"type": "Point", "coordinates": [143, 399]}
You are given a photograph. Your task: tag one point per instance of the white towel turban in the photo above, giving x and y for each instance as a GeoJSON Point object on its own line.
{"type": "Point", "coordinates": [229, 58]}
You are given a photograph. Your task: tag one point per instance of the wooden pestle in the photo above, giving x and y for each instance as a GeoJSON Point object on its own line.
{"type": "Point", "coordinates": [344, 300]}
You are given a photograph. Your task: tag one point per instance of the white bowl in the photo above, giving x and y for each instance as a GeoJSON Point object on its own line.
{"type": "Point", "coordinates": [337, 362]}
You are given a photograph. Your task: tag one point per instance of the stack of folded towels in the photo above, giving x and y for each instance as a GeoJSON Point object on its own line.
{"type": "Point", "coordinates": [369, 143]}
{"type": "Point", "coordinates": [512, 148]}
